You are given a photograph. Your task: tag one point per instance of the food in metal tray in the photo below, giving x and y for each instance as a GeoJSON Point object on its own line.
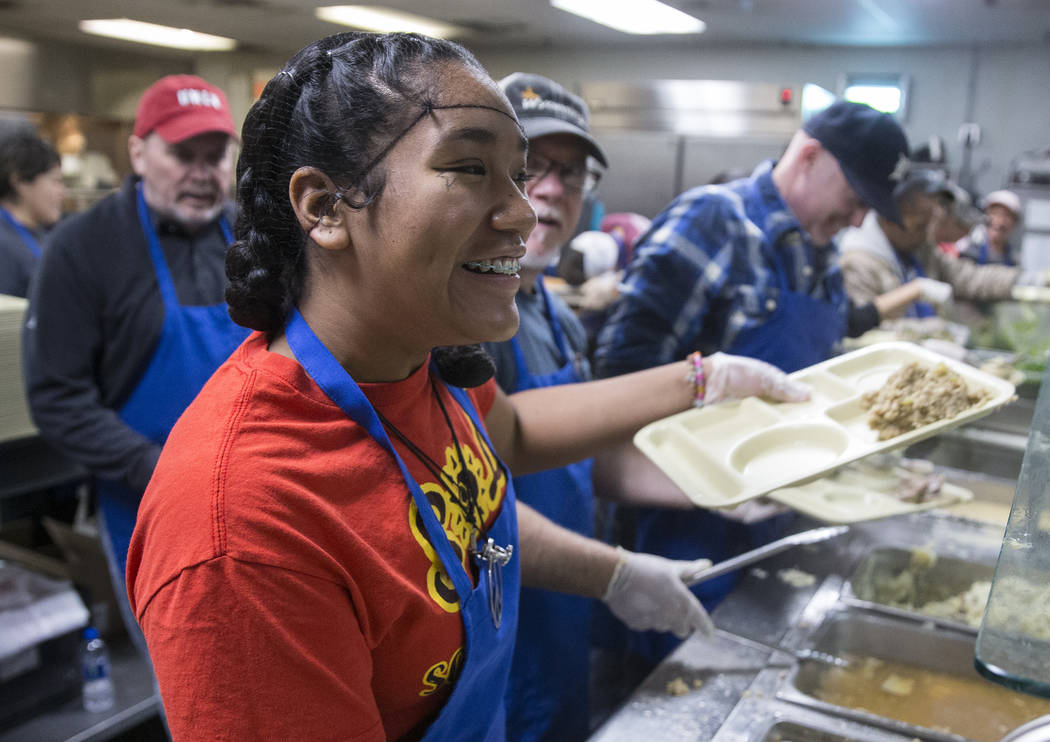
{"type": "Point", "coordinates": [917, 395]}
{"type": "Point", "coordinates": [919, 581]}
{"type": "Point", "coordinates": [968, 706]}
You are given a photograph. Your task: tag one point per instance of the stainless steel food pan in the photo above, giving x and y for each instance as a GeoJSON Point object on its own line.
{"type": "Point", "coordinates": [870, 585]}
{"type": "Point", "coordinates": [789, 731]}
{"type": "Point", "coordinates": [861, 634]}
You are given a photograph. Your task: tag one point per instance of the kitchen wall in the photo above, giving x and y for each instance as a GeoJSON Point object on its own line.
{"type": "Point", "coordinates": [1009, 99]}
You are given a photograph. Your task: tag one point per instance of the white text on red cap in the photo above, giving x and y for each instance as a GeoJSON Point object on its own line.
{"type": "Point", "coordinates": [197, 97]}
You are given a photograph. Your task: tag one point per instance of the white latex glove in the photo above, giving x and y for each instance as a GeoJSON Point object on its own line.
{"type": "Point", "coordinates": [646, 592]}
{"type": "Point", "coordinates": [735, 377]}
{"type": "Point", "coordinates": [935, 292]}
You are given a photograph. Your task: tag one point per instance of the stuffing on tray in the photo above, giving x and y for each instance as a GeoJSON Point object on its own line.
{"type": "Point", "coordinates": [915, 396]}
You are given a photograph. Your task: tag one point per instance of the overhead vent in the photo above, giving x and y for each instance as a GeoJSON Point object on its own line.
{"type": "Point", "coordinates": [496, 28]}
{"type": "Point", "coordinates": [232, 3]}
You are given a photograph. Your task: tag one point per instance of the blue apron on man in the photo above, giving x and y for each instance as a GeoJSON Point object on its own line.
{"type": "Point", "coordinates": [547, 694]}
{"type": "Point", "coordinates": [194, 341]}
{"type": "Point", "coordinates": [475, 710]}
{"type": "Point", "coordinates": [983, 255]}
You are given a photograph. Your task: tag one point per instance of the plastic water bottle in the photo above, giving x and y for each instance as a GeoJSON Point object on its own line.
{"type": "Point", "coordinates": [95, 671]}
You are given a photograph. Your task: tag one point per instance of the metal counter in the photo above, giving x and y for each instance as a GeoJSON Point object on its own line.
{"type": "Point", "coordinates": [721, 675]}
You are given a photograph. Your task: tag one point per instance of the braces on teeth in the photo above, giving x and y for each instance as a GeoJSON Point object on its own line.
{"type": "Point", "coordinates": [507, 267]}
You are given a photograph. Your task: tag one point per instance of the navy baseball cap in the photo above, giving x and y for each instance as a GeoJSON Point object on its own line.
{"type": "Point", "coordinates": [544, 107]}
{"type": "Point", "coordinates": [871, 148]}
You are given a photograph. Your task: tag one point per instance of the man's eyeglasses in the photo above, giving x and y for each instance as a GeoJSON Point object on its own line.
{"type": "Point", "coordinates": [574, 178]}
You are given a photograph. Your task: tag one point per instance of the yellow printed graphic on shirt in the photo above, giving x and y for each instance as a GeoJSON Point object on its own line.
{"type": "Point", "coordinates": [442, 673]}
{"type": "Point", "coordinates": [455, 521]}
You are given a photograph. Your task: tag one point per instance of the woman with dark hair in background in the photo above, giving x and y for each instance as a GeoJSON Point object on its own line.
{"type": "Point", "coordinates": [328, 548]}
{"type": "Point", "coordinates": [31, 195]}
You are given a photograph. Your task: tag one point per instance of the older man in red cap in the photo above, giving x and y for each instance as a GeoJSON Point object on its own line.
{"type": "Point", "coordinates": [127, 319]}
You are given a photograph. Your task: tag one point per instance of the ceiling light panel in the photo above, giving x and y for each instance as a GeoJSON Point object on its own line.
{"type": "Point", "coordinates": [151, 33]}
{"type": "Point", "coordinates": [634, 16]}
{"type": "Point", "coordinates": [384, 20]}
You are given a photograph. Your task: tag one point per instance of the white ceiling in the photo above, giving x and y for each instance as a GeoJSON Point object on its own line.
{"type": "Point", "coordinates": [282, 26]}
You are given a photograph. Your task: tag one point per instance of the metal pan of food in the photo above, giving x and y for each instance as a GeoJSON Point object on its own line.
{"type": "Point", "coordinates": [908, 678]}
{"type": "Point", "coordinates": [920, 585]}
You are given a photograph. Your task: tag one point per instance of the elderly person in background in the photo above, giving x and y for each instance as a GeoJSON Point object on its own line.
{"type": "Point", "coordinates": [989, 242]}
{"type": "Point", "coordinates": [880, 256]}
{"type": "Point", "coordinates": [31, 196]}
{"type": "Point", "coordinates": [547, 693]}
{"type": "Point", "coordinates": [958, 217]}
{"type": "Point", "coordinates": [126, 318]}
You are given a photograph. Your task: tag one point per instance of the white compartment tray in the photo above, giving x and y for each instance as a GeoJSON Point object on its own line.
{"type": "Point", "coordinates": [834, 500]}
{"type": "Point", "coordinates": [727, 453]}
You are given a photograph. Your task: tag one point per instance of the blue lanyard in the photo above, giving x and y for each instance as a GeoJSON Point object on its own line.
{"type": "Point", "coordinates": [23, 232]}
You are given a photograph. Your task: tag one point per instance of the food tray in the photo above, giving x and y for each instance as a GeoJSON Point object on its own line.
{"type": "Point", "coordinates": [833, 501]}
{"type": "Point", "coordinates": [724, 454]}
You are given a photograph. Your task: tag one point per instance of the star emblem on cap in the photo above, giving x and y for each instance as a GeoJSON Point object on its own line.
{"type": "Point", "coordinates": [901, 168]}
{"type": "Point", "coordinates": [529, 94]}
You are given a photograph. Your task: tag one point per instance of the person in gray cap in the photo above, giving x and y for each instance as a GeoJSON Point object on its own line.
{"type": "Point", "coordinates": [547, 696]}
{"type": "Point", "coordinates": [880, 256]}
{"type": "Point", "coordinates": [750, 267]}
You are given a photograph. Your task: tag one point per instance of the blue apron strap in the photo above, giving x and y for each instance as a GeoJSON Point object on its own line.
{"type": "Point", "coordinates": [333, 379]}
{"type": "Point", "coordinates": [982, 253]}
{"type": "Point", "coordinates": [910, 268]}
{"type": "Point", "coordinates": [559, 336]}
{"type": "Point", "coordinates": [227, 233]}
{"type": "Point", "coordinates": [23, 232]}
{"type": "Point", "coordinates": [156, 253]}
{"type": "Point", "coordinates": [160, 266]}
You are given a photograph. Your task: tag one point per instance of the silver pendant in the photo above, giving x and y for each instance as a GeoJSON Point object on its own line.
{"type": "Point", "coordinates": [495, 559]}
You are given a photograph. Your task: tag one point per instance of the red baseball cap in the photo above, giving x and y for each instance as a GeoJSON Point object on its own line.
{"type": "Point", "coordinates": [178, 107]}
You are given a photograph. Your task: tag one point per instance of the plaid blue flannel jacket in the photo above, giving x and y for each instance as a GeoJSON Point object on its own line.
{"type": "Point", "coordinates": [706, 270]}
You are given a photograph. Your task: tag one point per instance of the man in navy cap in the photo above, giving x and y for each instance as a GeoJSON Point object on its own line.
{"type": "Point", "coordinates": [127, 317]}
{"type": "Point", "coordinates": [750, 267]}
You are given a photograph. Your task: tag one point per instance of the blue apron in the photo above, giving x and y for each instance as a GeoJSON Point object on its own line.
{"type": "Point", "coordinates": [547, 694]}
{"type": "Point", "coordinates": [910, 268]}
{"type": "Point", "coordinates": [982, 255]}
{"type": "Point", "coordinates": [194, 341]}
{"type": "Point", "coordinates": [475, 709]}
{"type": "Point", "coordinates": [800, 332]}
{"type": "Point", "coordinates": [23, 232]}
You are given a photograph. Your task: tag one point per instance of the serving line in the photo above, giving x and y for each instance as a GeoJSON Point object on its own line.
{"type": "Point", "coordinates": [719, 672]}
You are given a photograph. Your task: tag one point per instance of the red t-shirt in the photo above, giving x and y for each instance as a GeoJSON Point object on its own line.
{"type": "Point", "coordinates": [279, 570]}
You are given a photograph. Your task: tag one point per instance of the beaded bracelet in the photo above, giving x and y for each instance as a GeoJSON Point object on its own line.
{"type": "Point", "coordinates": [695, 376]}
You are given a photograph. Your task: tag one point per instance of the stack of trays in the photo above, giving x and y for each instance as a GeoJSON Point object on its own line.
{"type": "Point", "coordinates": [725, 454]}
{"type": "Point", "coordinates": [14, 415]}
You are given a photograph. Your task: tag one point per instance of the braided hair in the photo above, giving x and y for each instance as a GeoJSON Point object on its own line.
{"type": "Point", "coordinates": [332, 107]}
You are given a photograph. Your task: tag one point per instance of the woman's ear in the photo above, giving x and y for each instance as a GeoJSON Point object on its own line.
{"type": "Point", "coordinates": [314, 200]}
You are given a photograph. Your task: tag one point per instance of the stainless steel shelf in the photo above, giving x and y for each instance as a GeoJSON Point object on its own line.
{"type": "Point", "coordinates": [137, 702]}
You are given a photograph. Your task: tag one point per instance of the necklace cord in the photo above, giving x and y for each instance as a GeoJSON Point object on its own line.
{"type": "Point", "coordinates": [465, 496]}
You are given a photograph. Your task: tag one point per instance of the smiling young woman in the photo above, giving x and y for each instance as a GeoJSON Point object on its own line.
{"type": "Point", "coordinates": [331, 536]}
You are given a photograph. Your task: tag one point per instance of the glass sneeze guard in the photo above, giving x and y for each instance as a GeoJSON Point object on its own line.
{"type": "Point", "coordinates": [1013, 646]}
